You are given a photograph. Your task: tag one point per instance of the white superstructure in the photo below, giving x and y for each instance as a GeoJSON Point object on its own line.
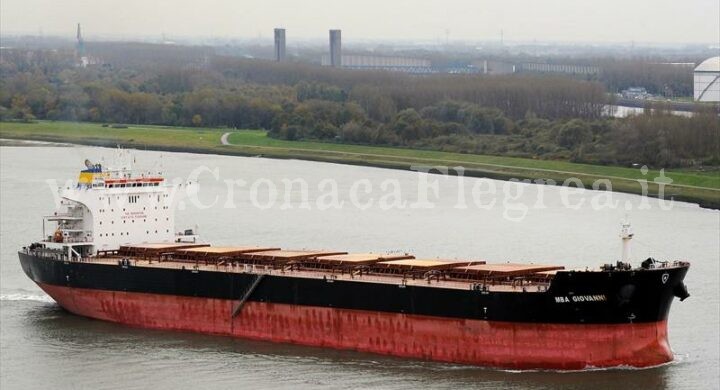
{"type": "Point", "coordinates": [706, 79]}
{"type": "Point", "coordinates": [110, 207]}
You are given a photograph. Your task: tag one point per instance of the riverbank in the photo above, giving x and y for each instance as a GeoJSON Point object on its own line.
{"type": "Point", "coordinates": [697, 187]}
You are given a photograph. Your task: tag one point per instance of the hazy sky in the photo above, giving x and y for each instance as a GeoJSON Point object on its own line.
{"type": "Point", "coordinates": [669, 21]}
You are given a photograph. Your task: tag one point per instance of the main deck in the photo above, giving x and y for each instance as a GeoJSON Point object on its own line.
{"type": "Point", "coordinates": [394, 268]}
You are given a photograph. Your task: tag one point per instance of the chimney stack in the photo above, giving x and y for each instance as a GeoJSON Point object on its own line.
{"type": "Point", "coordinates": [279, 44]}
{"type": "Point", "coordinates": [335, 49]}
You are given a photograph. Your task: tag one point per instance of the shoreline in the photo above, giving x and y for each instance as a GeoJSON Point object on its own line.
{"type": "Point", "coordinates": [621, 185]}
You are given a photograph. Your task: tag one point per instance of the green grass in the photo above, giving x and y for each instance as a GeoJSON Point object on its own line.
{"type": "Point", "coordinates": [93, 132]}
{"type": "Point", "coordinates": [702, 187]}
{"type": "Point", "coordinates": [259, 138]}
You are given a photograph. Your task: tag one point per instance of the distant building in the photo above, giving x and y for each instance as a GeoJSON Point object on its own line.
{"type": "Point", "coordinates": [335, 49]}
{"type": "Point", "coordinates": [279, 44]}
{"type": "Point", "coordinates": [706, 80]}
{"type": "Point", "coordinates": [83, 60]}
{"type": "Point", "coordinates": [491, 67]}
{"type": "Point", "coordinates": [559, 68]}
{"type": "Point", "coordinates": [398, 64]}
{"type": "Point", "coordinates": [635, 93]}
{"type": "Point", "coordinates": [378, 62]}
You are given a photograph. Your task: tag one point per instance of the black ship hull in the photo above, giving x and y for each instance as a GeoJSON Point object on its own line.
{"type": "Point", "coordinates": [597, 318]}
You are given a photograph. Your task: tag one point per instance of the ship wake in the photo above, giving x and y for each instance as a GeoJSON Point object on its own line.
{"type": "Point", "coordinates": [26, 296]}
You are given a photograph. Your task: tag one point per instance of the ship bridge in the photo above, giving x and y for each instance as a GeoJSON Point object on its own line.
{"type": "Point", "coordinates": [109, 207]}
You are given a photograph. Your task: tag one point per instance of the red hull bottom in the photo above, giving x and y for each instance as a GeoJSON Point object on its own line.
{"type": "Point", "coordinates": [484, 343]}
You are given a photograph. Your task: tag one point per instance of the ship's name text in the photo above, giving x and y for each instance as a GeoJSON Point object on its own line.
{"type": "Point", "coordinates": [581, 298]}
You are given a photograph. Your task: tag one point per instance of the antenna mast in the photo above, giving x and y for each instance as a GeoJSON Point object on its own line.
{"type": "Point", "coordinates": [626, 235]}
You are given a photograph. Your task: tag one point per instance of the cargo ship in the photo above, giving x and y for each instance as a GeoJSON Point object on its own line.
{"type": "Point", "coordinates": [112, 253]}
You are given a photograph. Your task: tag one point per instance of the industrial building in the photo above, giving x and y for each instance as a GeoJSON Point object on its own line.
{"type": "Point", "coordinates": [706, 80]}
{"type": "Point", "coordinates": [82, 59]}
{"type": "Point", "coordinates": [559, 68]}
{"type": "Point", "coordinates": [279, 44]}
{"type": "Point", "coordinates": [491, 67]}
{"type": "Point", "coordinates": [406, 64]}
{"type": "Point", "coordinates": [335, 49]}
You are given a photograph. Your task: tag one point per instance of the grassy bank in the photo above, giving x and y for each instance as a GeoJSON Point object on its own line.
{"type": "Point", "coordinates": [699, 187]}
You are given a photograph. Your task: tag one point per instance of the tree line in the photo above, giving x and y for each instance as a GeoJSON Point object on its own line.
{"type": "Point", "coordinates": [519, 115]}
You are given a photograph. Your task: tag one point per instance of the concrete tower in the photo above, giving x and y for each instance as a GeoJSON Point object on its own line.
{"type": "Point", "coordinates": [279, 44]}
{"type": "Point", "coordinates": [335, 49]}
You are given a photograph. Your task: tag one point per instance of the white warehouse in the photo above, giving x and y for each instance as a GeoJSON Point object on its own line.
{"type": "Point", "coordinates": [707, 81]}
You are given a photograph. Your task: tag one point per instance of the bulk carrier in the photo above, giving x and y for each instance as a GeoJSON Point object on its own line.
{"type": "Point", "coordinates": [114, 255]}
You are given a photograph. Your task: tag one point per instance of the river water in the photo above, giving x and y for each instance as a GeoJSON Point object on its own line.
{"type": "Point", "coordinates": [625, 111]}
{"type": "Point", "coordinates": [41, 346]}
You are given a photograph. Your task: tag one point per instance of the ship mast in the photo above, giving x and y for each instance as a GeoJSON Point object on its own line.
{"type": "Point", "coordinates": [626, 235]}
